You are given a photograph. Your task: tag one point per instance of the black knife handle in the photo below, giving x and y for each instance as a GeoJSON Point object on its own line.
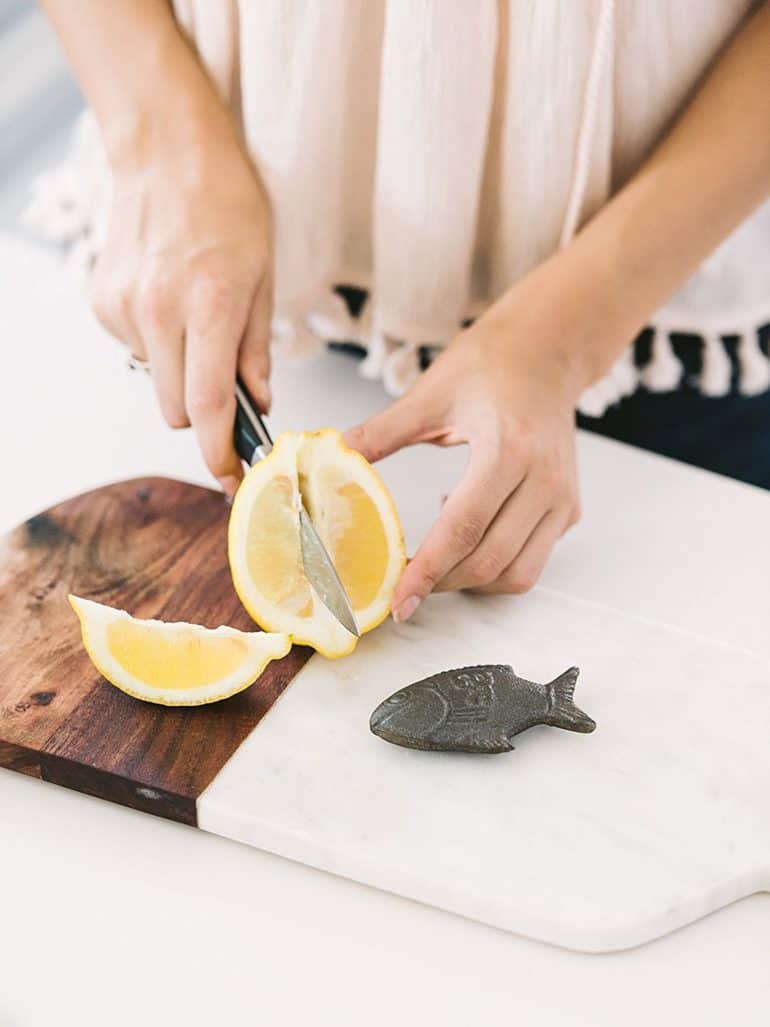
{"type": "Point", "coordinates": [252, 439]}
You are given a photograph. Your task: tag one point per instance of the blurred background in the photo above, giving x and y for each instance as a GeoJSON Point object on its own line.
{"type": "Point", "coordinates": [39, 102]}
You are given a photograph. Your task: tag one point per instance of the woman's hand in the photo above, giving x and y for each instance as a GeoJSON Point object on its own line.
{"type": "Point", "coordinates": [185, 281]}
{"type": "Point", "coordinates": [507, 387]}
{"type": "Point", "coordinates": [185, 277]}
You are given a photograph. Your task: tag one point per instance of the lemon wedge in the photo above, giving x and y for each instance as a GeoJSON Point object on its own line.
{"type": "Point", "coordinates": [173, 664]}
{"type": "Point", "coordinates": [355, 519]}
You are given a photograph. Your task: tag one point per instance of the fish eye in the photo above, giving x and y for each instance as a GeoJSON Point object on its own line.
{"type": "Point", "coordinates": [399, 697]}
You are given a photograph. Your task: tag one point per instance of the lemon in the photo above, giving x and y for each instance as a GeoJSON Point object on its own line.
{"type": "Point", "coordinates": [173, 664]}
{"type": "Point", "coordinates": [355, 519]}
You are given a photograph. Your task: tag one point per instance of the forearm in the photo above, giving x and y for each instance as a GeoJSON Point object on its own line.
{"type": "Point", "coordinates": [702, 181]}
{"type": "Point", "coordinates": [139, 75]}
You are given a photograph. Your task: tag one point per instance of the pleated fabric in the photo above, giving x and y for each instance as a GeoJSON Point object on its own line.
{"type": "Point", "coordinates": [432, 152]}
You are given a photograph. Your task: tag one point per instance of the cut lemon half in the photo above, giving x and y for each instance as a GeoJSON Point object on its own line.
{"type": "Point", "coordinates": [355, 519]}
{"type": "Point", "coordinates": [173, 664]}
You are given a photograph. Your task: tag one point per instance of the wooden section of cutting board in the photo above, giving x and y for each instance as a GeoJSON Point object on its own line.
{"type": "Point", "coordinates": [158, 549]}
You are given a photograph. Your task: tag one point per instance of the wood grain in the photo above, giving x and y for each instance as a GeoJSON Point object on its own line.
{"type": "Point", "coordinates": [156, 548]}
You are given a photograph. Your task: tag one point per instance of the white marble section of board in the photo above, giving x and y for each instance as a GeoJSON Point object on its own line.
{"type": "Point", "coordinates": [593, 842]}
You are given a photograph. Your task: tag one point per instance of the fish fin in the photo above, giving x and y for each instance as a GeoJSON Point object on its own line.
{"type": "Point", "coordinates": [487, 746]}
{"type": "Point", "coordinates": [562, 711]}
{"type": "Point", "coordinates": [495, 745]}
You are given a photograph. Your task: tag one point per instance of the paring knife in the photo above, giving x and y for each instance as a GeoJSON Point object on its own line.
{"type": "Point", "coordinates": [253, 443]}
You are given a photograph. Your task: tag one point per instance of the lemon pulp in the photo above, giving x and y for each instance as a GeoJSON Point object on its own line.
{"type": "Point", "coordinates": [184, 661]}
{"type": "Point", "coordinates": [355, 537]}
{"type": "Point", "coordinates": [355, 519]}
{"type": "Point", "coordinates": [275, 556]}
{"type": "Point", "coordinates": [174, 664]}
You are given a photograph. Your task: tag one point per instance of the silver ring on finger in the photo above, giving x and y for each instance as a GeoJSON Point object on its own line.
{"type": "Point", "coordinates": [138, 364]}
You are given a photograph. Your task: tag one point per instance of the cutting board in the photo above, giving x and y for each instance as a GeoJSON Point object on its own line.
{"type": "Point", "coordinates": [594, 842]}
{"type": "Point", "coordinates": [158, 549]}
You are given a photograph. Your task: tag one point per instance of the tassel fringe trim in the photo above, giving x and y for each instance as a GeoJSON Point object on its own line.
{"type": "Point", "coordinates": [664, 372]}
{"type": "Point", "coordinates": [70, 203]}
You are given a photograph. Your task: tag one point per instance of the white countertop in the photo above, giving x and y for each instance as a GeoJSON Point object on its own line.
{"type": "Point", "coordinates": [109, 915]}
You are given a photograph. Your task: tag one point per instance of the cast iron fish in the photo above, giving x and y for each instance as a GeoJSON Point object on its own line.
{"type": "Point", "coordinates": [476, 709]}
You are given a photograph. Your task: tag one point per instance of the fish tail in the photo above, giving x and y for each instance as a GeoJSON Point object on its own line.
{"type": "Point", "coordinates": [562, 711]}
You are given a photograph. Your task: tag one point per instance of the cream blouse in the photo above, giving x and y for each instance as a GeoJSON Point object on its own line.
{"type": "Point", "coordinates": [433, 151]}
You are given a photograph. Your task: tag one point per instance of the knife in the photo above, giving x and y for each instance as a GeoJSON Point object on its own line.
{"type": "Point", "coordinates": [253, 443]}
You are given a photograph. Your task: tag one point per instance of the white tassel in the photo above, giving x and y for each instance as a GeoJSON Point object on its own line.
{"type": "Point", "coordinates": [401, 370]}
{"type": "Point", "coordinates": [330, 320]}
{"type": "Point", "coordinates": [664, 371]}
{"type": "Point", "coordinates": [81, 259]}
{"type": "Point", "coordinates": [54, 210]}
{"type": "Point", "coordinates": [620, 382]}
{"type": "Point", "coordinates": [754, 366]}
{"type": "Point", "coordinates": [625, 375]}
{"type": "Point", "coordinates": [297, 342]}
{"type": "Point", "coordinates": [598, 397]}
{"type": "Point", "coordinates": [378, 346]}
{"type": "Point", "coordinates": [717, 370]}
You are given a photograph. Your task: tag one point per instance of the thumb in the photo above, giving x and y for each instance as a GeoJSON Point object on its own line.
{"type": "Point", "coordinates": [403, 423]}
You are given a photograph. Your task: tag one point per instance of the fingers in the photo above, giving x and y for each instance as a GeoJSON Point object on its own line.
{"type": "Point", "coordinates": [525, 569]}
{"type": "Point", "coordinates": [193, 346]}
{"type": "Point", "coordinates": [162, 335]}
{"type": "Point", "coordinates": [144, 318]}
{"type": "Point", "coordinates": [403, 423]}
{"type": "Point", "coordinates": [214, 331]}
{"type": "Point", "coordinates": [505, 538]}
{"type": "Point", "coordinates": [113, 308]}
{"type": "Point", "coordinates": [254, 355]}
{"type": "Point", "coordinates": [457, 533]}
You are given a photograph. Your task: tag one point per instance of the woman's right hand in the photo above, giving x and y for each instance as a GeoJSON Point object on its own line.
{"type": "Point", "coordinates": [185, 280]}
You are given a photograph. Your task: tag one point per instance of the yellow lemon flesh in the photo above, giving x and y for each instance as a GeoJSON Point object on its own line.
{"type": "Point", "coordinates": [173, 664]}
{"type": "Point", "coordinates": [355, 519]}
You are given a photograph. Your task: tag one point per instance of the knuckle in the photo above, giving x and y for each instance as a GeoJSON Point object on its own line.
{"type": "Point", "coordinates": [429, 578]}
{"type": "Point", "coordinates": [213, 293]}
{"type": "Point", "coordinates": [467, 533]}
{"type": "Point", "coordinates": [520, 579]}
{"type": "Point", "coordinates": [576, 512]}
{"type": "Point", "coordinates": [100, 307]}
{"type": "Point", "coordinates": [364, 440]}
{"type": "Point", "coordinates": [119, 303]}
{"type": "Point", "coordinates": [112, 306]}
{"type": "Point", "coordinates": [551, 478]}
{"type": "Point", "coordinates": [219, 466]}
{"type": "Point", "coordinates": [172, 408]}
{"type": "Point", "coordinates": [152, 302]}
{"type": "Point", "coordinates": [516, 436]}
{"type": "Point", "coordinates": [207, 400]}
{"type": "Point", "coordinates": [175, 417]}
{"type": "Point", "coordinates": [485, 569]}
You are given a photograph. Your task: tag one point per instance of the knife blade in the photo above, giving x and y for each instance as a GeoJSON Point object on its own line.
{"type": "Point", "coordinates": [253, 443]}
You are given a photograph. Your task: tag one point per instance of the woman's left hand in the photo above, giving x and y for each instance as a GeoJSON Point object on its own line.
{"type": "Point", "coordinates": [507, 386]}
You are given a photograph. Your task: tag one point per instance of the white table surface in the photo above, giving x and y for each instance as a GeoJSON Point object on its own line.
{"type": "Point", "coordinates": [111, 916]}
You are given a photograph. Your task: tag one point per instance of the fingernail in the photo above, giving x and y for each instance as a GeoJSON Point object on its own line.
{"type": "Point", "coordinates": [405, 609]}
{"type": "Point", "coordinates": [229, 485]}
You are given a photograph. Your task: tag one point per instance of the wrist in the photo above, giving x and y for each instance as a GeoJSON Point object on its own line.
{"type": "Point", "coordinates": [601, 308]}
{"type": "Point", "coordinates": [183, 129]}
{"type": "Point", "coordinates": [554, 322]}
{"type": "Point", "coordinates": [156, 116]}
